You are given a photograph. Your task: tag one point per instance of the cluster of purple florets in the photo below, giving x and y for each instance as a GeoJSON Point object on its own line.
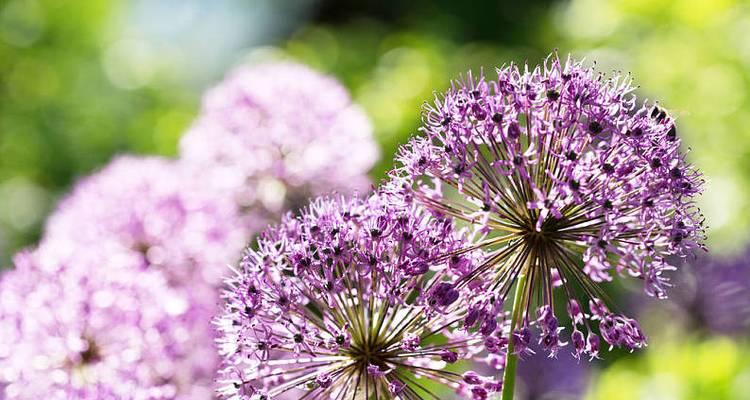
{"type": "Point", "coordinates": [117, 300]}
{"type": "Point", "coordinates": [75, 324]}
{"type": "Point", "coordinates": [521, 197]}
{"type": "Point", "coordinates": [345, 298]}
{"type": "Point", "coordinates": [314, 140]}
{"type": "Point", "coordinates": [552, 168]}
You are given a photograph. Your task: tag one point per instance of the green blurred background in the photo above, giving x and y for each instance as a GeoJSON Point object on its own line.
{"type": "Point", "coordinates": [83, 80]}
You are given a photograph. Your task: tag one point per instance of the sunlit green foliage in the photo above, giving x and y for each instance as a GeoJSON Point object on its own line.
{"type": "Point", "coordinates": [61, 115]}
{"type": "Point", "coordinates": [392, 73]}
{"type": "Point", "coordinates": [717, 369]}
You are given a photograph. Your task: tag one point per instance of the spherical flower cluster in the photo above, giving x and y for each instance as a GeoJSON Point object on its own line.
{"type": "Point", "coordinates": [273, 135]}
{"type": "Point", "coordinates": [565, 180]}
{"type": "Point", "coordinates": [154, 209]}
{"type": "Point", "coordinates": [73, 324]}
{"type": "Point", "coordinates": [351, 299]}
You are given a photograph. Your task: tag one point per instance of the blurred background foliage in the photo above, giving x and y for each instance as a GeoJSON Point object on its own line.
{"type": "Point", "coordinates": [83, 80]}
{"type": "Point", "coordinates": [715, 368]}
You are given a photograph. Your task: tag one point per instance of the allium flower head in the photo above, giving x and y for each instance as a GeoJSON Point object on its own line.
{"type": "Point", "coordinates": [566, 181]}
{"type": "Point", "coordinates": [154, 210]}
{"type": "Point", "coordinates": [275, 134]}
{"type": "Point", "coordinates": [73, 325]}
{"type": "Point", "coordinates": [152, 206]}
{"type": "Point", "coordinates": [348, 301]}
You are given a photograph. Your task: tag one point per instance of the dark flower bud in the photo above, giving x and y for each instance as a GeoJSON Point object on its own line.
{"type": "Point", "coordinates": [417, 268]}
{"type": "Point", "coordinates": [514, 131]}
{"type": "Point", "coordinates": [449, 356]}
{"type": "Point", "coordinates": [672, 133]}
{"type": "Point", "coordinates": [655, 112]}
{"type": "Point", "coordinates": [449, 297]}
{"type": "Point", "coordinates": [677, 237]}
{"type": "Point", "coordinates": [472, 378]}
{"type": "Point", "coordinates": [493, 344]}
{"type": "Point", "coordinates": [471, 318]}
{"type": "Point", "coordinates": [595, 127]}
{"type": "Point", "coordinates": [478, 393]}
{"type": "Point", "coordinates": [488, 326]}
{"type": "Point", "coordinates": [324, 381]}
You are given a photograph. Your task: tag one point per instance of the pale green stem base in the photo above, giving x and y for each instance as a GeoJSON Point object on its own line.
{"type": "Point", "coordinates": [511, 360]}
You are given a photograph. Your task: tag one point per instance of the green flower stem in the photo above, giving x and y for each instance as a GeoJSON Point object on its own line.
{"type": "Point", "coordinates": [511, 360]}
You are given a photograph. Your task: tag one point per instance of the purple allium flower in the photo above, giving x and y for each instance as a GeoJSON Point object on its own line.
{"type": "Point", "coordinates": [275, 134]}
{"type": "Point", "coordinates": [565, 181]}
{"type": "Point", "coordinates": [73, 325]}
{"type": "Point", "coordinates": [157, 211]}
{"type": "Point", "coordinates": [713, 294]}
{"type": "Point", "coordinates": [331, 305]}
{"type": "Point", "coordinates": [154, 207]}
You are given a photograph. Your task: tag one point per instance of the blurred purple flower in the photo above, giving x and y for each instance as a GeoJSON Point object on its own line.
{"type": "Point", "coordinates": [74, 324]}
{"type": "Point", "coordinates": [332, 306]}
{"type": "Point", "coordinates": [273, 135]}
{"type": "Point", "coordinates": [713, 294]}
{"type": "Point", "coordinates": [561, 378]}
{"type": "Point", "coordinates": [156, 210]}
{"type": "Point", "coordinates": [565, 181]}
{"type": "Point", "coordinates": [268, 138]}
